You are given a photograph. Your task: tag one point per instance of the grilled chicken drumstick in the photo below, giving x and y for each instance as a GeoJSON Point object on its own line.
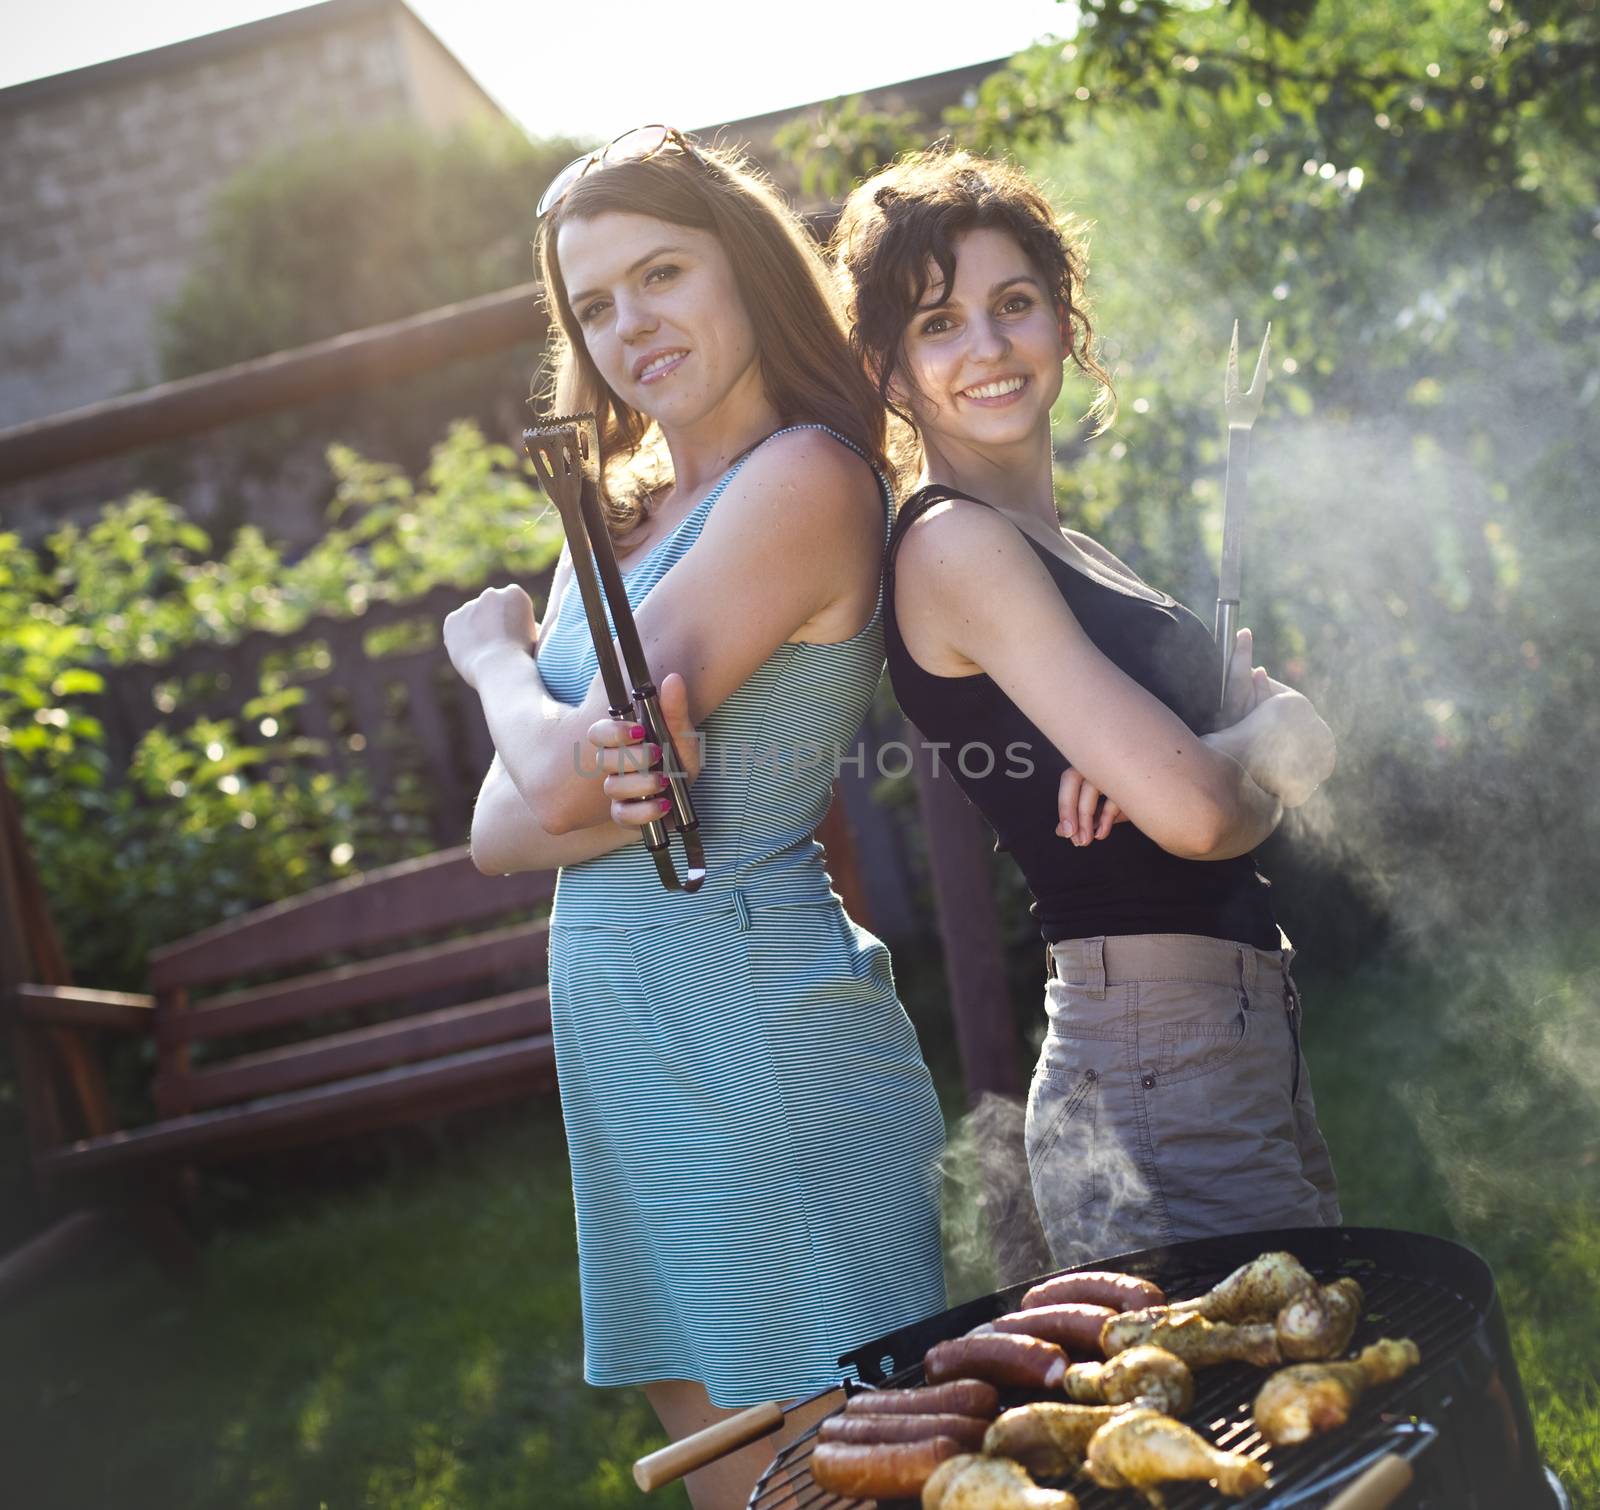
{"type": "Point", "coordinates": [1046, 1438]}
{"type": "Point", "coordinates": [1189, 1336]}
{"type": "Point", "coordinates": [1255, 1291]}
{"type": "Point", "coordinates": [1316, 1323]}
{"type": "Point", "coordinates": [1311, 1398]}
{"type": "Point", "coordinates": [1140, 1449]}
{"type": "Point", "coordinates": [1319, 1322]}
{"type": "Point", "coordinates": [974, 1483]}
{"type": "Point", "coordinates": [1150, 1375]}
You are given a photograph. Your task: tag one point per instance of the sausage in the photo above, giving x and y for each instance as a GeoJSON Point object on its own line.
{"type": "Point", "coordinates": [1122, 1292]}
{"type": "Point", "coordinates": [889, 1427]}
{"type": "Point", "coordinates": [883, 1470]}
{"type": "Point", "coordinates": [1072, 1325]}
{"type": "Point", "coordinates": [959, 1397]}
{"type": "Point", "coordinates": [1001, 1357]}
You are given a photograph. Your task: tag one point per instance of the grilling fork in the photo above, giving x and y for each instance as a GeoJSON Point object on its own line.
{"type": "Point", "coordinates": [565, 451]}
{"type": "Point", "coordinates": [1241, 407]}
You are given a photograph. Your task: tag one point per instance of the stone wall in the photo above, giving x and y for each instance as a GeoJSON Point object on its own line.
{"type": "Point", "coordinates": [107, 175]}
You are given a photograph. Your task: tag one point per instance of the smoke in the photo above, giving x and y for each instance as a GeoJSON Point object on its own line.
{"type": "Point", "coordinates": [991, 1230]}
{"type": "Point", "coordinates": [993, 1233]}
{"type": "Point", "coordinates": [1428, 580]}
{"type": "Point", "coordinates": [1438, 623]}
{"type": "Point", "coordinates": [1509, 1108]}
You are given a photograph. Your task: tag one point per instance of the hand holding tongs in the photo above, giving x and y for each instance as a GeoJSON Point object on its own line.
{"type": "Point", "coordinates": [1241, 407]}
{"type": "Point", "coordinates": [565, 451]}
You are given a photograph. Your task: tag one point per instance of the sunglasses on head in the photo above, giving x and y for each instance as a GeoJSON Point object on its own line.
{"type": "Point", "coordinates": [632, 146]}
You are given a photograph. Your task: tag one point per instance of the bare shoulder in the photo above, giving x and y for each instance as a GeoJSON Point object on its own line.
{"type": "Point", "coordinates": [958, 546]}
{"type": "Point", "coordinates": [971, 589]}
{"type": "Point", "coordinates": [810, 446]}
{"type": "Point", "coordinates": [823, 483]}
{"type": "Point", "coordinates": [802, 495]}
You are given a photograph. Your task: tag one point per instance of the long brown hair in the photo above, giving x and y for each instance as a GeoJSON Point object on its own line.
{"type": "Point", "coordinates": [807, 367]}
{"type": "Point", "coordinates": [909, 213]}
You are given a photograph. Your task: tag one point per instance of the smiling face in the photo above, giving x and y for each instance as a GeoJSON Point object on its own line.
{"type": "Point", "coordinates": [981, 361]}
{"type": "Point", "coordinates": [659, 313]}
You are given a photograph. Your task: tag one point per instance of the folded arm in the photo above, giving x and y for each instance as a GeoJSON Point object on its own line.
{"type": "Point", "coordinates": [971, 578]}
{"type": "Point", "coordinates": [507, 837]}
{"type": "Point", "coordinates": [802, 516]}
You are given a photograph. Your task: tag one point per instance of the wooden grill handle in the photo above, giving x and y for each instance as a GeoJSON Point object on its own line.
{"type": "Point", "coordinates": [1380, 1486]}
{"type": "Point", "coordinates": [691, 1452]}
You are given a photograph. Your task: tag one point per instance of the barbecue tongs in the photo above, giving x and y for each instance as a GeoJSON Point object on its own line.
{"type": "Point", "coordinates": [565, 451]}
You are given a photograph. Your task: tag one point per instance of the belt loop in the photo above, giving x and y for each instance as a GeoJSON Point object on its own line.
{"type": "Point", "coordinates": [1082, 965]}
{"type": "Point", "coordinates": [742, 907]}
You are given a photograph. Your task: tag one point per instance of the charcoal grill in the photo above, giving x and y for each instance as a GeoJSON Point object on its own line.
{"type": "Point", "coordinates": [1460, 1418]}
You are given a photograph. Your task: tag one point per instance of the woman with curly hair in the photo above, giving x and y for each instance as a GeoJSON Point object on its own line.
{"type": "Point", "coordinates": [1170, 1099]}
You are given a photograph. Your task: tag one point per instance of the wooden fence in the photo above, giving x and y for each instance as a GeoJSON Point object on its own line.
{"type": "Point", "coordinates": [384, 709]}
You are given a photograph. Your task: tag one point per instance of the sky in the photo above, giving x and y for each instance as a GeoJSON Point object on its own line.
{"type": "Point", "coordinates": [593, 69]}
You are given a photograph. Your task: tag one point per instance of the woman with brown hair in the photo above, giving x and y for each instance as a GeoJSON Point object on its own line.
{"type": "Point", "coordinates": [1171, 1098]}
{"type": "Point", "coordinates": [754, 1137]}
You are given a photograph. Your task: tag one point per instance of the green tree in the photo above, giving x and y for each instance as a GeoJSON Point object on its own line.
{"type": "Point", "coordinates": [1407, 194]}
{"type": "Point", "coordinates": [844, 142]}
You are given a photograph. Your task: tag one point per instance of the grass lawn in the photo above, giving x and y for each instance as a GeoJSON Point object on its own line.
{"type": "Point", "coordinates": [1466, 1102]}
{"type": "Point", "coordinates": [414, 1344]}
{"type": "Point", "coordinates": [411, 1341]}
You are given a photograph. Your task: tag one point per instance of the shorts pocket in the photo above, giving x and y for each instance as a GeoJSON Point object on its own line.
{"type": "Point", "coordinates": [1059, 1137]}
{"type": "Point", "coordinates": [1200, 1027]}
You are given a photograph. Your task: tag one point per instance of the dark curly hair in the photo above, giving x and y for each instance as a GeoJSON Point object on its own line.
{"type": "Point", "coordinates": [911, 212]}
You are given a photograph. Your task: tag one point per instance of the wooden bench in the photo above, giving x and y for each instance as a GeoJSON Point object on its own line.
{"type": "Point", "coordinates": [262, 1043]}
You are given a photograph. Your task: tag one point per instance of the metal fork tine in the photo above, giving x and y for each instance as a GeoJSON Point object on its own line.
{"type": "Point", "coordinates": [549, 460]}
{"type": "Point", "coordinates": [1256, 382]}
{"type": "Point", "coordinates": [1242, 407]}
{"type": "Point", "coordinates": [541, 462]}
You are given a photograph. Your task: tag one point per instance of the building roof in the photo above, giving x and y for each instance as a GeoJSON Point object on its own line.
{"type": "Point", "coordinates": [309, 19]}
{"type": "Point", "coordinates": [928, 95]}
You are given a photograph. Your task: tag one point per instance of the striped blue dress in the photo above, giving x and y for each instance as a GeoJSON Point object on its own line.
{"type": "Point", "coordinates": [754, 1137]}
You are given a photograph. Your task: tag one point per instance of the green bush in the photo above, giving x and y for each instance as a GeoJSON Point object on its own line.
{"type": "Point", "coordinates": [353, 230]}
{"type": "Point", "coordinates": [213, 816]}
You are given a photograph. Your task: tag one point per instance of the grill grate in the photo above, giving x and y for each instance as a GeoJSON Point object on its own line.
{"type": "Point", "coordinates": [1419, 1306]}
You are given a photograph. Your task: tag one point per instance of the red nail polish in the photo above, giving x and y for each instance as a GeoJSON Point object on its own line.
{"type": "Point", "coordinates": [666, 804]}
{"type": "Point", "coordinates": [637, 731]}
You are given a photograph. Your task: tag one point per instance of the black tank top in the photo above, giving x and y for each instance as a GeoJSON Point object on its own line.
{"type": "Point", "coordinates": [1122, 884]}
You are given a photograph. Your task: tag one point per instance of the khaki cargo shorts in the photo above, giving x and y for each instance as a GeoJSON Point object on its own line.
{"type": "Point", "coordinates": [1171, 1099]}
